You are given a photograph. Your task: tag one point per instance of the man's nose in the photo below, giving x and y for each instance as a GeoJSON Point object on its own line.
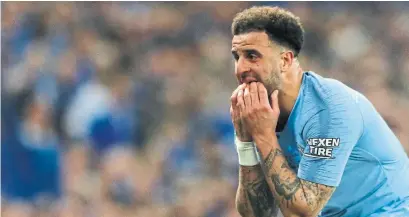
{"type": "Point", "coordinates": [242, 66]}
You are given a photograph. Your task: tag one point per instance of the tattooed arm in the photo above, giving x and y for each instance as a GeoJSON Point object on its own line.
{"type": "Point", "coordinates": [254, 197]}
{"type": "Point", "coordinates": [297, 197]}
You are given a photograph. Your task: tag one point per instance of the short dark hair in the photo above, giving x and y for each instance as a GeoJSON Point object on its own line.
{"type": "Point", "coordinates": [282, 26]}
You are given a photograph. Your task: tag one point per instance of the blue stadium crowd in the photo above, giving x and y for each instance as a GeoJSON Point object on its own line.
{"type": "Point", "coordinates": [122, 109]}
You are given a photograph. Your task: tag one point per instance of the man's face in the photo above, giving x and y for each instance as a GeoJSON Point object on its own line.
{"type": "Point", "coordinates": [257, 59]}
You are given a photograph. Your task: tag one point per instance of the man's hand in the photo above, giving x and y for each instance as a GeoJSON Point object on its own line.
{"type": "Point", "coordinates": [259, 117]}
{"type": "Point", "coordinates": [296, 197]}
{"type": "Point", "coordinates": [241, 131]}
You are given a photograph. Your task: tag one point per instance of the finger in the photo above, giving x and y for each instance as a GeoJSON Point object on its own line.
{"type": "Point", "coordinates": [254, 94]}
{"type": "Point", "coordinates": [234, 113]}
{"type": "Point", "coordinates": [247, 99]}
{"type": "Point", "coordinates": [240, 101]}
{"type": "Point", "coordinates": [274, 101]}
{"type": "Point", "coordinates": [233, 97]}
{"type": "Point", "coordinates": [263, 95]}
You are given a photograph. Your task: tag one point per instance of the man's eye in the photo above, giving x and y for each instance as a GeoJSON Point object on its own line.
{"type": "Point", "coordinates": [252, 56]}
{"type": "Point", "coordinates": [236, 57]}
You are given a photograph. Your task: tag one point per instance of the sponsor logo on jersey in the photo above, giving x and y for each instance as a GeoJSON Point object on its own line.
{"type": "Point", "coordinates": [322, 147]}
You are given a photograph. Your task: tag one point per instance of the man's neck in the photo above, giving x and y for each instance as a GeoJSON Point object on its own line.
{"type": "Point", "coordinates": [288, 95]}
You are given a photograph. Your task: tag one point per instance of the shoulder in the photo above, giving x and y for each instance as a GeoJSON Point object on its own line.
{"type": "Point", "coordinates": [328, 94]}
{"type": "Point", "coordinates": [329, 102]}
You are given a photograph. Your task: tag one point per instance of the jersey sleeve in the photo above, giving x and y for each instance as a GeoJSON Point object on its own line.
{"type": "Point", "coordinates": [329, 137]}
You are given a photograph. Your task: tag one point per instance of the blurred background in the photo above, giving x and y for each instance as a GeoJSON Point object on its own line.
{"type": "Point", "coordinates": [122, 109]}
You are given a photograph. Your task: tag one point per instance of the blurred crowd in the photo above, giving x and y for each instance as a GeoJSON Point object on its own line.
{"type": "Point", "coordinates": [122, 108]}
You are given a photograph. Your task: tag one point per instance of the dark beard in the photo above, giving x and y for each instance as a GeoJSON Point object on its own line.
{"type": "Point", "coordinates": [272, 83]}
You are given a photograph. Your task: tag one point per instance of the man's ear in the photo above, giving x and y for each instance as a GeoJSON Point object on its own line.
{"type": "Point", "coordinates": [287, 59]}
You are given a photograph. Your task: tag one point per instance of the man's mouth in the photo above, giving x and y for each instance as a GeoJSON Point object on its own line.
{"type": "Point", "coordinates": [248, 80]}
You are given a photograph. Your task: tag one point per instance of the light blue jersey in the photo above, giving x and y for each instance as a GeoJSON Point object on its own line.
{"type": "Point", "coordinates": [334, 136]}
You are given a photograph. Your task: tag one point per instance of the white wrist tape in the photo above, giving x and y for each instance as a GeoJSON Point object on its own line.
{"type": "Point", "coordinates": [247, 153]}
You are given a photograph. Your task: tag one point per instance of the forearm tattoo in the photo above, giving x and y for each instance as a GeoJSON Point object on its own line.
{"type": "Point", "coordinates": [321, 193]}
{"type": "Point", "coordinates": [255, 197]}
{"type": "Point", "coordinates": [287, 184]}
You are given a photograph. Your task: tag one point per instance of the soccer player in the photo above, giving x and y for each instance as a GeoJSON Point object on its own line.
{"type": "Point", "coordinates": [307, 145]}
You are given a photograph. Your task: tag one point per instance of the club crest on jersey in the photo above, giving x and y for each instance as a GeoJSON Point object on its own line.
{"type": "Point", "coordinates": [321, 147]}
